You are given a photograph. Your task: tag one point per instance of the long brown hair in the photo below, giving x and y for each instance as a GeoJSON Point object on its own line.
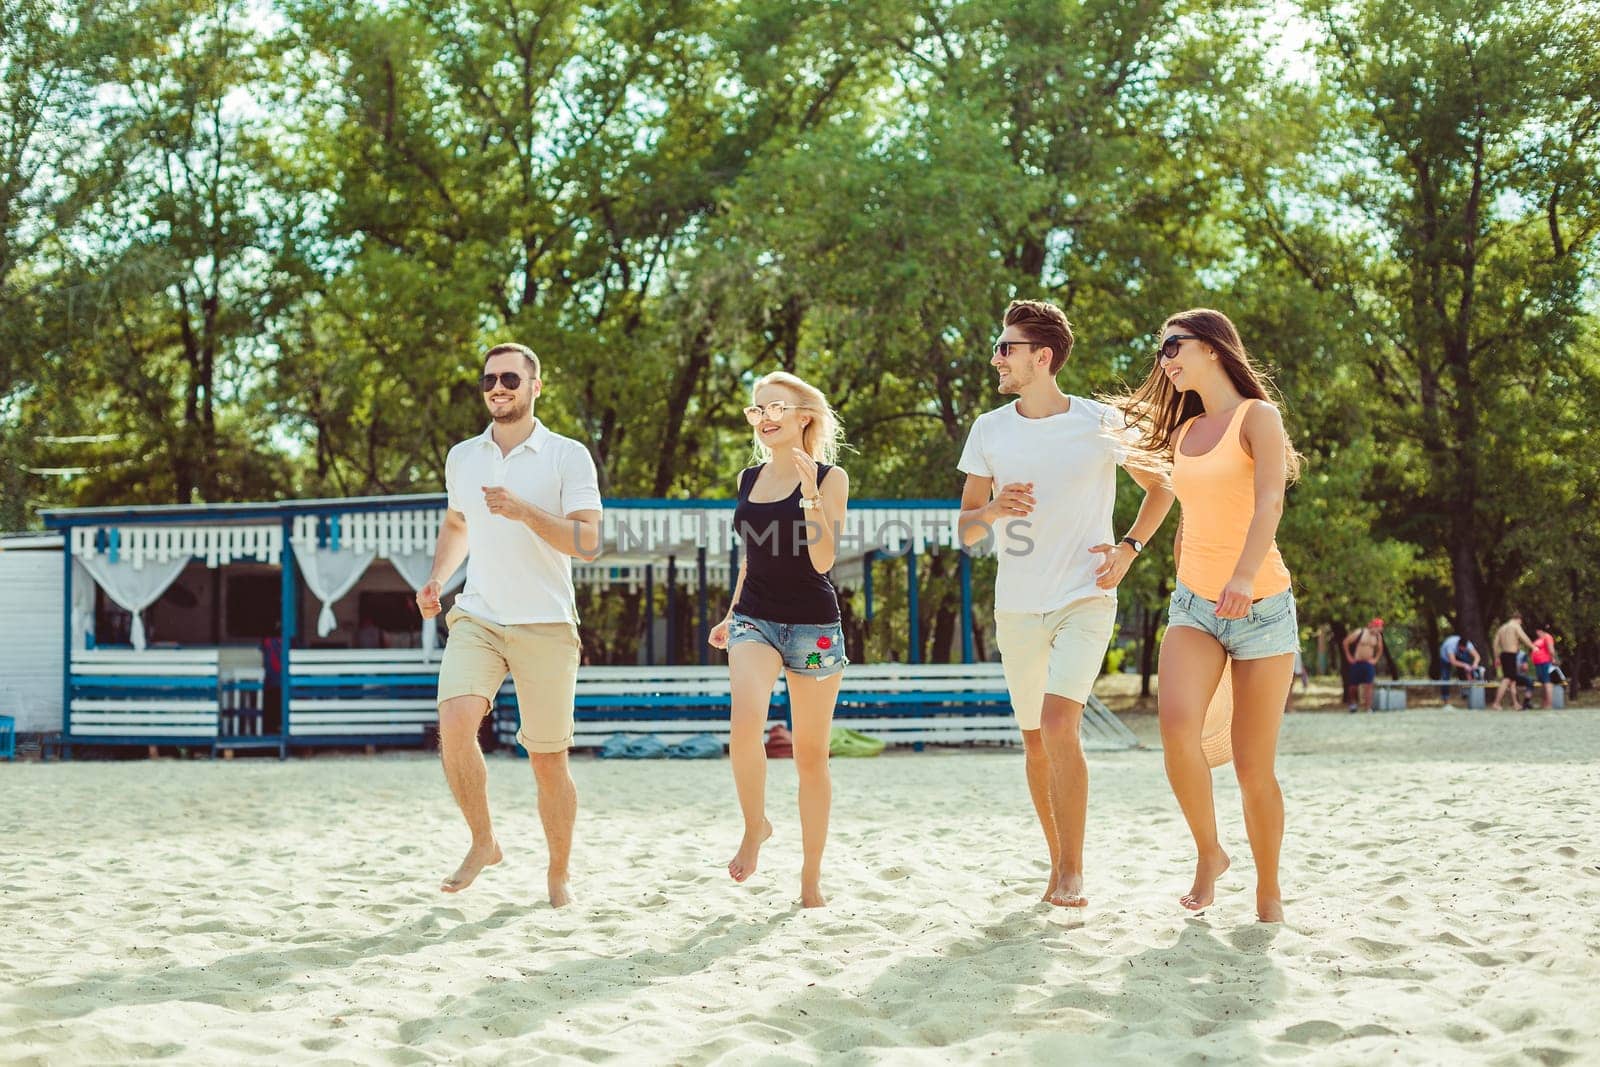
{"type": "Point", "coordinates": [1158, 409]}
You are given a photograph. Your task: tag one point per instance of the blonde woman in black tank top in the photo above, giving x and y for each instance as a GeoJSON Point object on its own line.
{"type": "Point", "coordinates": [784, 615]}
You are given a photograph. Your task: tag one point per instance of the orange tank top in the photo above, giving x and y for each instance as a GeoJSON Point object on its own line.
{"type": "Point", "coordinates": [1218, 496]}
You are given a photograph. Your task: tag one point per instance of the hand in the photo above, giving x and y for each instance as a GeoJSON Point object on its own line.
{"type": "Point", "coordinates": [1015, 499]}
{"type": "Point", "coordinates": [505, 503]}
{"type": "Point", "coordinates": [719, 635]}
{"type": "Point", "coordinates": [428, 598]}
{"type": "Point", "coordinates": [1118, 558]}
{"type": "Point", "coordinates": [1234, 603]}
{"type": "Point", "coordinates": [807, 467]}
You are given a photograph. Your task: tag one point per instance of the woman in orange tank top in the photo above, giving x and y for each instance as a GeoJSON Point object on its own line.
{"type": "Point", "coordinates": [1206, 408]}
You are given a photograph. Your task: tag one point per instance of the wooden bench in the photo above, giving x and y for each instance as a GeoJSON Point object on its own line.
{"type": "Point", "coordinates": [155, 697]}
{"type": "Point", "coordinates": [952, 703]}
{"type": "Point", "coordinates": [671, 703]}
{"type": "Point", "coordinates": [356, 696]}
{"type": "Point", "coordinates": [913, 704]}
{"type": "Point", "coordinates": [1390, 695]}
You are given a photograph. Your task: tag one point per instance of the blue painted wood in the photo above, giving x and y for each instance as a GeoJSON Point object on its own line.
{"type": "Point", "coordinates": [967, 653]}
{"type": "Point", "coordinates": [66, 644]}
{"type": "Point", "coordinates": [148, 681]}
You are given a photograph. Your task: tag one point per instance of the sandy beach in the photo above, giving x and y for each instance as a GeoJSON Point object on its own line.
{"type": "Point", "coordinates": [1442, 873]}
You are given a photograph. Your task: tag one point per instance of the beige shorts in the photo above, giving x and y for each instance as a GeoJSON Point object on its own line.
{"type": "Point", "coordinates": [1059, 652]}
{"type": "Point", "coordinates": [542, 659]}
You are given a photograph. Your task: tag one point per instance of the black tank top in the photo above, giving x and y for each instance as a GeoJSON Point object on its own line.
{"type": "Point", "coordinates": [780, 584]}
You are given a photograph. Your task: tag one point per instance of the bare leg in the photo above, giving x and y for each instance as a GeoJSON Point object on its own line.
{"type": "Point", "coordinates": [1069, 794]}
{"type": "Point", "coordinates": [1366, 696]}
{"type": "Point", "coordinates": [811, 703]}
{"type": "Point", "coordinates": [558, 811]}
{"type": "Point", "coordinates": [753, 669]}
{"type": "Point", "coordinates": [1191, 666]}
{"type": "Point", "coordinates": [1039, 788]}
{"type": "Point", "coordinates": [464, 769]}
{"type": "Point", "coordinates": [1258, 689]}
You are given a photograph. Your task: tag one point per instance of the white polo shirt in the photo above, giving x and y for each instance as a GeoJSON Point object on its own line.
{"type": "Point", "coordinates": [513, 575]}
{"type": "Point", "coordinates": [1071, 459]}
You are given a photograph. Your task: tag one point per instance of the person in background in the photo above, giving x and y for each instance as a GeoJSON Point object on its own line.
{"type": "Point", "coordinates": [1362, 648]}
{"type": "Point", "coordinates": [1507, 640]}
{"type": "Point", "coordinates": [1458, 661]}
{"type": "Point", "coordinates": [1543, 658]}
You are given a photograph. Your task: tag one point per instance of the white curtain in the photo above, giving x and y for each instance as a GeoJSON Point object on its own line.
{"type": "Point", "coordinates": [133, 588]}
{"type": "Point", "coordinates": [82, 604]}
{"type": "Point", "coordinates": [415, 567]}
{"type": "Point", "coordinates": [330, 575]}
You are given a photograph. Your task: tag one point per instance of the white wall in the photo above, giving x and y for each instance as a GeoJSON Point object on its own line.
{"type": "Point", "coordinates": [31, 634]}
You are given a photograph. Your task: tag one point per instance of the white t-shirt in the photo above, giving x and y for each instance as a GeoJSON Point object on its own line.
{"type": "Point", "coordinates": [1071, 459]}
{"type": "Point", "coordinates": [513, 575]}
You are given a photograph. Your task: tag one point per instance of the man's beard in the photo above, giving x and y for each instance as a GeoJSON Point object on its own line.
{"type": "Point", "coordinates": [517, 412]}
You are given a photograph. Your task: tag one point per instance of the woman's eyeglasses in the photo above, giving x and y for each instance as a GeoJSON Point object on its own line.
{"type": "Point", "coordinates": [510, 379]}
{"type": "Point", "coordinates": [1169, 344]}
{"type": "Point", "coordinates": [756, 414]}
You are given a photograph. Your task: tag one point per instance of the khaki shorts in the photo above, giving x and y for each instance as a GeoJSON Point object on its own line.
{"type": "Point", "coordinates": [542, 659]}
{"type": "Point", "coordinates": [1058, 652]}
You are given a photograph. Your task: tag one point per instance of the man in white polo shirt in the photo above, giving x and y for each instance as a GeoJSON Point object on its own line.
{"type": "Point", "coordinates": [1042, 480]}
{"type": "Point", "coordinates": [523, 502]}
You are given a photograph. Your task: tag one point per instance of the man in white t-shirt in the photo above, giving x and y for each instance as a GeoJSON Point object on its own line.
{"type": "Point", "coordinates": [1041, 481]}
{"type": "Point", "coordinates": [523, 502]}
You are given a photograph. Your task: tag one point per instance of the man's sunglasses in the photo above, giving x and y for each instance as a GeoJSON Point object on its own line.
{"type": "Point", "coordinates": [1169, 344]}
{"type": "Point", "coordinates": [510, 379]}
{"type": "Point", "coordinates": [1003, 348]}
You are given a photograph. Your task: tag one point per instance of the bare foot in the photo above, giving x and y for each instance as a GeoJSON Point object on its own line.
{"type": "Point", "coordinates": [1207, 870]}
{"type": "Point", "coordinates": [811, 895]}
{"type": "Point", "coordinates": [1068, 892]}
{"type": "Point", "coordinates": [560, 894]}
{"type": "Point", "coordinates": [743, 864]}
{"type": "Point", "coordinates": [478, 857]}
{"type": "Point", "coordinates": [1050, 886]}
{"type": "Point", "coordinates": [1269, 909]}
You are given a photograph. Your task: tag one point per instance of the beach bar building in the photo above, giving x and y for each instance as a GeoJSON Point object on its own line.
{"type": "Point", "coordinates": [292, 623]}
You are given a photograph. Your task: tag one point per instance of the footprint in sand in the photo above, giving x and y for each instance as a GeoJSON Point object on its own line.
{"type": "Point", "coordinates": [1314, 1032]}
{"type": "Point", "coordinates": [1377, 950]}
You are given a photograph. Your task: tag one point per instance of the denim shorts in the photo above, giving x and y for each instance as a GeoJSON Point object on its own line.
{"type": "Point", "coordinates": [814, 649]}
{"type": "Point", "coordinates": [1271, 629]}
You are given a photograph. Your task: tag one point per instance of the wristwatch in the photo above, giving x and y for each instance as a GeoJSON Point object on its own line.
{"type": "Point", "coordinates": [811, 502]}
{"type": "Point", "coordinates": [1138, 545]}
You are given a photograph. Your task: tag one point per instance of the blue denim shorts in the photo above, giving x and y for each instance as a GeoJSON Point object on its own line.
{"type": "Point", "coordinates": [1271, 629]}
{"type": "Point", "coordinates": [816, 650]}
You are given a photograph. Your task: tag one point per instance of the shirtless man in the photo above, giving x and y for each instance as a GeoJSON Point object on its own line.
{"type": "Point", "coordinates": [1363, 660]}
{"type": "Point", "coordinates": [1506, 640]}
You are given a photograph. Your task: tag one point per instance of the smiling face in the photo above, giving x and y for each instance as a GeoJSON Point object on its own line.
{"type": "Point", "coordinates": [1018, 361]}
{"type": "Point", "coordinates": [1185, 360]}
{"type": "Point", "coordinates": [786, 430]}
{"type": "Point", "coordinates": [507, 405]}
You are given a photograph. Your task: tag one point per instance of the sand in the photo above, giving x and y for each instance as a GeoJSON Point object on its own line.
{"type": "Point", "coordinates": [1442, 877]}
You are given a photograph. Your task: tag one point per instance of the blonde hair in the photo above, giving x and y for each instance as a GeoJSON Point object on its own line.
{"type": "Point", "coordinates": [823, 436]}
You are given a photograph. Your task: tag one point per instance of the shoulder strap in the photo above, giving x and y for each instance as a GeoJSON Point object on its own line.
{"type": "Point", "coordinates": [1183, 431]}
{"type": "Point", "coordinates": [747, 478]}
{"type": "Point", "coordinates": [822, 472]}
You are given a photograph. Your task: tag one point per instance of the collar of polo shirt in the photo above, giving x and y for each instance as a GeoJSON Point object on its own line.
{"type": "Point", "coordinates": [535, 441]}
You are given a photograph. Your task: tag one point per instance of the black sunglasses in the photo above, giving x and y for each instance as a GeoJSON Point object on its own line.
{"type": "Point", "coordinates": [1003, 348]}
{"type": "Point", "coordinates": [1169, 345]}
{"type": "Point", "coordinates": [510, 379]}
